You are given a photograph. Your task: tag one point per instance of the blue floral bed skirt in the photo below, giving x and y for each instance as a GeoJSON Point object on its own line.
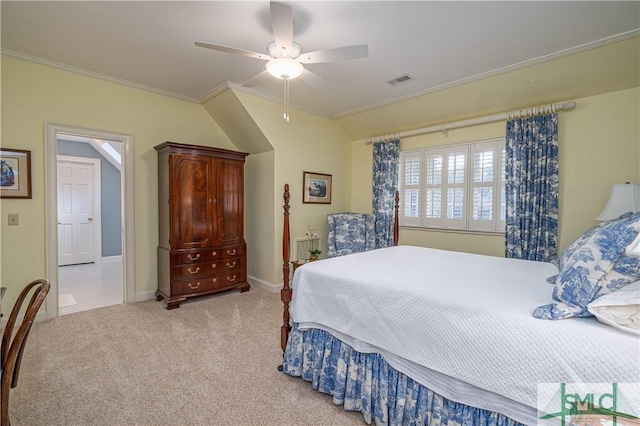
{"type": "Point", "coordinates": [367, 383]}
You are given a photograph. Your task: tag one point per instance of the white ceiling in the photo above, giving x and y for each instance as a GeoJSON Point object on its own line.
{"type": "Point", "coordinates": [440, 44]}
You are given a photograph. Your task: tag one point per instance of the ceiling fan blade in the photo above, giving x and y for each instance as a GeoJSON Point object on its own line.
{"type": "Point", "coordinates": [282, 25]}
{"type": "Point", "coordinates": [254, 81]}
{"type": "Point", "coordinates": [336, 54]}
{"type": "Point", "coordinates": [314, 80]}
{"type": "Point", "coordinates": [234, 51]}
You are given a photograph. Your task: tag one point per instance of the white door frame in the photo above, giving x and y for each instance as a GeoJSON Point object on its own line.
{"type": "Point", "coordinates": [51, 205]}
{"type": "Point", "coordinates": [96, 202]}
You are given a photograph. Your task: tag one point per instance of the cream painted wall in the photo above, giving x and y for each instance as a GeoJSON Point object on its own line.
{"type": "Point", "coordinates": [306, 143]}
{"type": "Point", "coordinates": [599, 144]}
{"type": "Point", "coordinates": [33, 94]}
{"type": "Point", "coordinates": [601, 148]}
{"type": "Point", "coordinates": [259, 204]}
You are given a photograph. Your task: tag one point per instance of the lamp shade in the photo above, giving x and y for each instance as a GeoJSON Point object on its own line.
{"type": "Point", "coordinates": [284, 68]}
{"type": "Point", "coordinates": [622, 199]}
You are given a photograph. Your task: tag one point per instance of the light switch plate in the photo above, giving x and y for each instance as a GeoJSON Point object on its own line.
{"type": "Point", "coordinates": [13, 219]}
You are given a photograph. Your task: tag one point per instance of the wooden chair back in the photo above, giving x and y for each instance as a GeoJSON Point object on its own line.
{"type": "Point", "coordinates": [13, 343]}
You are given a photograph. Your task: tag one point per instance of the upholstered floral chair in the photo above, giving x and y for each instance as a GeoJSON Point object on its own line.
{"type": "Point", "coordinates": [350, 233]}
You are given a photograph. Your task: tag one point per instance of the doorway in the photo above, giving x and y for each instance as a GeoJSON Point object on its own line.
{"type": "Point", "coordinates": [89, 227]}
{"type": "Point", "coordinates": [90, 266]}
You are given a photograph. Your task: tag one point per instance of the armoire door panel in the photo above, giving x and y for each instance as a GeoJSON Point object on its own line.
{"type": "Point", "coordinates": [193, 209]}
{"type": "Point", "coordinates": [229, 190]}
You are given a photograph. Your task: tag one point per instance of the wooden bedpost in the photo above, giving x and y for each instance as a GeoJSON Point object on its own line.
{"type": "Point", "coordinates": [285, 293]}
{"type": "Point", "coordinates": [396, 225]}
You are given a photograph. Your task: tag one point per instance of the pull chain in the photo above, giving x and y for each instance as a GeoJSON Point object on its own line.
{"type": "Point", "coordinates": [285, 115]}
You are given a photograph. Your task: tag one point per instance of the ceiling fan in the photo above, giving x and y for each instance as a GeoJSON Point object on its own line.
{"type": "Point", "coordinates": [285, 58]}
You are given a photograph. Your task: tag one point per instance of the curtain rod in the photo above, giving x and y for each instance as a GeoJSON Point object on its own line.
{"type": "Point", "coordinates": [444, 128]}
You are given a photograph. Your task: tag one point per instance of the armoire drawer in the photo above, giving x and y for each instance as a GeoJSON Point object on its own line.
{"type": "Point", "coordinates": [234, 251]}
{"type": "Point", "coordinates": [232, 264]}
{"type": "Point", "coordinates": [195, 256]}
{"type": "Point", "coordinates": [205, 284]}
{"type": "Point", "coordinates": [195, 285]}
{"type": "Point", "coordinates": [191, 271]}
{"type": "Point", "coordinates": [233, 277]}
{"type": "Point", "coordinates": [205, 269]}
{"type": "Point", "coordinates": [179, 257]}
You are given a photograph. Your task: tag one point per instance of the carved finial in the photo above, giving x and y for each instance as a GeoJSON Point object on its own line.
{"type": "Point", "coordinates": [287, 197]}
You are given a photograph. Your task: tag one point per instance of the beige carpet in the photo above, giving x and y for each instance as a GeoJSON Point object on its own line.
{"type": "Point", "coordinates": [211, 362]}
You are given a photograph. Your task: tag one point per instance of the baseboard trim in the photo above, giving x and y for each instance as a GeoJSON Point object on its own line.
{"type": "Point", "coordinates": [112, 259]}
{"type": "Point", "coordinates": [147, 295]}
{"type": "Point", "coordinates": [274, 288]}
{"type": "Point", "coordinates": [40, 316]}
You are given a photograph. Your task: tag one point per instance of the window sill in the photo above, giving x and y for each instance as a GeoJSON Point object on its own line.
{"type": "Point", "coordinates": [454, 231]}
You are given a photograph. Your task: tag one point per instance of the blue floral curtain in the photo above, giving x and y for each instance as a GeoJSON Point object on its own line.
{"type": "Point", "coordinates": [386, 158]}
{"type": "Point", "coordinates": [531, 188]}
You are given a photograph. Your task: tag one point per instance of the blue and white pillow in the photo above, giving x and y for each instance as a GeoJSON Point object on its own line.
{"type": "Point", "coordinates": [573, 247]}
{"type": "Point", "coordinates": [592, 266]}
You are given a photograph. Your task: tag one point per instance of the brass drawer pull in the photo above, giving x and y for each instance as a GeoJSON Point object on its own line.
{"type": "Point", "coordinates": [194, 258]}
{"type": "Point", "coordinates": [231, 253]}
{"type": "Point", "coordinates": [214, 253]}
{"type": "Point", "coordinates": [214, 280]}
{"type": "Point", "coordinates": [214, 266]}
{"type": "Point", "coordinates": [193, 272]}
{"type": "Point", "coordinates": [194, 287]}
{"type": "Point", "coordinates": [232, 265]}
{"type": "Point", "coordinates": [231, 279]}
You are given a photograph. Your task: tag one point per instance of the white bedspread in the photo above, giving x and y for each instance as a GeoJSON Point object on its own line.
{"type": "Point", "coordinates": [458, 323]}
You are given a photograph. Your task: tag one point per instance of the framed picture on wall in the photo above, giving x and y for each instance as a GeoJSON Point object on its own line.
{"type": "Point", "coordinates": [316, 188]}
{"type": "Point", "coordinates": [15, 178]}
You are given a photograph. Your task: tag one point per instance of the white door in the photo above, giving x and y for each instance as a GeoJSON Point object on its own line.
{"type": "Point", "coordinates": [78, 210]}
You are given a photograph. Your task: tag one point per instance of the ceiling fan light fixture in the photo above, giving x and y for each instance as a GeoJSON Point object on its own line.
{"type": "Point", "coordinates": [284, 68]}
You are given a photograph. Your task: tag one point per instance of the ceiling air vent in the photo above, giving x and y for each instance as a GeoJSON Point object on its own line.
{"type": "Point", "coordinates": [399, 80]}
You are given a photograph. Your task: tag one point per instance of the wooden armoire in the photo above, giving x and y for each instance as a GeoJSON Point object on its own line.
{"type": "Point", "coordinates": [201, 248]}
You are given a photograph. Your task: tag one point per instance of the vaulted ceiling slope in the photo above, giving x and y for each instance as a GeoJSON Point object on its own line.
{"type": "Point", "coordinates": [592, 72]}
{"type": "Point", "coordinates": [512, 53]}
{"type": "Point", "coordinates": [237, 123]}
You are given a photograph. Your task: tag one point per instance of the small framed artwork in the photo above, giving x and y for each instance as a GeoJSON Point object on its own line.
{"type": "Point", "coordinates": [15, 180]}
{"type": "Point", "coordinates": [316, 188]}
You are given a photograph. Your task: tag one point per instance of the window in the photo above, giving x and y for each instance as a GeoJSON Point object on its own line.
{"type": "Point", "coordinates": [454, 187]}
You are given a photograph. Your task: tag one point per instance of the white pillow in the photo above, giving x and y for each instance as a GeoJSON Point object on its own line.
{"type": "Point", "coordinates": [634, 248]}
{"type": "Point", "coordinates": [619, 309]}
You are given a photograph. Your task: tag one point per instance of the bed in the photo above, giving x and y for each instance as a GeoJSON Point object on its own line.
{"type": "Point", "coordinates": [411, 335]}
